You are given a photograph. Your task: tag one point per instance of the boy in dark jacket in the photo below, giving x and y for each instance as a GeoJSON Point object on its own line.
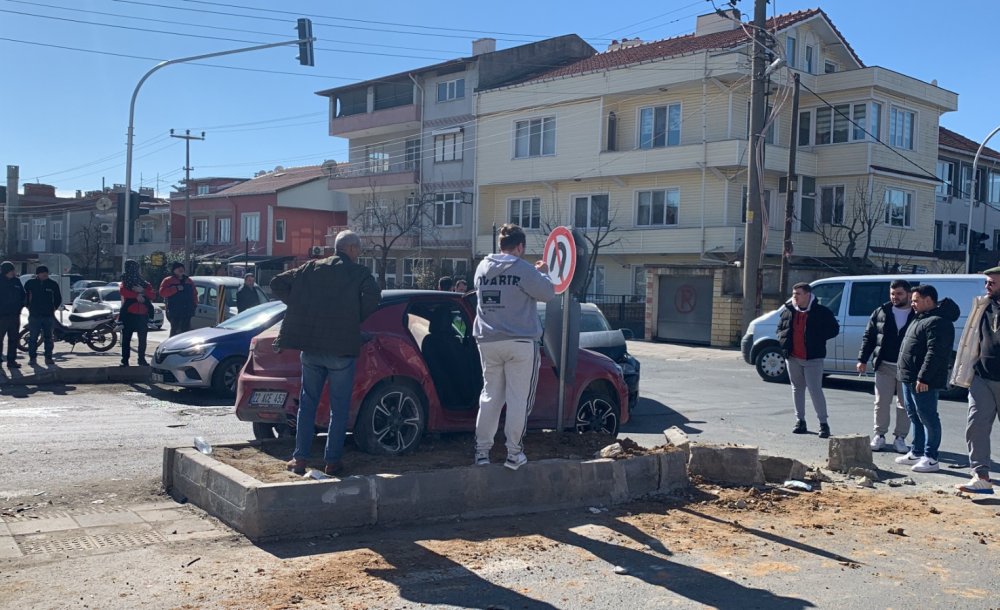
{"type": "Point", "coordinates": [924, 359]}
{"type": "Point", "coordinates": [43, 299]}
{"type": "Point", "coordinates": [883, 335]}
{"type": "Point", "coordinates": [11, 304]}
{"type": "Point", "coordinates": [803, 331]}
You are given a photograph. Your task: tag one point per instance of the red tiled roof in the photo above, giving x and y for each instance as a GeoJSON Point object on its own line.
{"type": "Point", "coordinates": [273, 182]}
{"type": "Point", "coordinates": [681, 45]}
{"type": "Point", "coordinates": [957, 141]}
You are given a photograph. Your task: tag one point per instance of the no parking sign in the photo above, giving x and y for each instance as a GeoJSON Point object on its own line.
{"type": "Point", "coordinates": [560, 255]}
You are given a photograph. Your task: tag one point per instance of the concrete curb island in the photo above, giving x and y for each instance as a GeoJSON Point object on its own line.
{"type": "Point", "coordinates": [81, 375]}
{"type": "Point", "coordinates": [264, 511]}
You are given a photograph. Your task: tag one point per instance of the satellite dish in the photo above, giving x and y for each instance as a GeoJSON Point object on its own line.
{"type": "Point", "coordinates": [104, 204]}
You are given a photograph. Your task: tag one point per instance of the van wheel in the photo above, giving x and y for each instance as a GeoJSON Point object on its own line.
{"type": "Point", "coordinates": [770, 365]}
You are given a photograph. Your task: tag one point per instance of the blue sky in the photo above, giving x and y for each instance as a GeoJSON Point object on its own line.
{"type": "Point", "coordinates": [63, 113]}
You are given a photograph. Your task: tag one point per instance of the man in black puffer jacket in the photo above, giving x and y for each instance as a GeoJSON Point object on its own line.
{"type": "Point", "coordinates": [11, 304]}
{"type": "Point", "coordinates": [803, 330]}
{"type": "Point", "coordinates": [924, 359]}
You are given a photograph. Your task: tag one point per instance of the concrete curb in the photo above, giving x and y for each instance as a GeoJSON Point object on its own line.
{"type": "Point", "coordinates": [265, 511]}
{"type": "Point", "coordinates": [83, 375]}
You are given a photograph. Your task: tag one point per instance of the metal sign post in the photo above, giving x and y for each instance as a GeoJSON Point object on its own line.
{"type": "Point", "coordinates": [560, 255]}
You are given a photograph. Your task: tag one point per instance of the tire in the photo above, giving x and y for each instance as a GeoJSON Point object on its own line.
{"type": "Point", "coordinates": [597, 412]}
{"type": "Point", "coordinates": [226, 374]}
{"type": "Point", "coordinates": [770, 364]}
{"type": "Point", "coordinates": [22, 340]}
{"type": "Point", "coordinates": [392, 420]}
{"type": "Point", "coordinates": [101, 339]}
{"type": "Point", "coordinates": [263, 431]}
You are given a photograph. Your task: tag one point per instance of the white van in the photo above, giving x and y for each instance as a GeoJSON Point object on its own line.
{"type": "Point", "coordinates": [852, 299]}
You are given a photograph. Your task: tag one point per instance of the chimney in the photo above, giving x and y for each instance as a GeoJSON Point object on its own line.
{"type": "Point", "coordinates": [482, 46]}
{"type": "Point", "coordinates": [624, 44]}
{"type": "Point", "coordinates": [714, 22]}
{"type": "Point", "coordinates": [79, 194]}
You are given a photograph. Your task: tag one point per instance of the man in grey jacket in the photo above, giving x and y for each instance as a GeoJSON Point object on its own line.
{"type": "Point", "coordinates": [507, 329]}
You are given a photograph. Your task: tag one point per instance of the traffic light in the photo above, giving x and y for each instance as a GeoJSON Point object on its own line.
{"type": "Point", "coordinates": [977, 251]}
{"type": "Point", "coordinates": [134, 212]}
{"type": "Point", "coordinates": [305, 29]}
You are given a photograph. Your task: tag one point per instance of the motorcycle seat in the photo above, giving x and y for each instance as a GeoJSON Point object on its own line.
{"type": "Point", "coordinates": [90, 316]}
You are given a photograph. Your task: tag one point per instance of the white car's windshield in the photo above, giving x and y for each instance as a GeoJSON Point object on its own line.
{"type": "Point", "coordinates": [111, 295]}
{"type": "Point", "coordinates": [255, 317]}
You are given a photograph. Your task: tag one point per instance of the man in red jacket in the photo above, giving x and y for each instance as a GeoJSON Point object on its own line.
{"type": "Point", "coordinates": [178, 292]}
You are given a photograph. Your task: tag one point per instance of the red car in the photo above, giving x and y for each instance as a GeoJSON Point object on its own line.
{"type": "Point", "coordinates": [418, 372]}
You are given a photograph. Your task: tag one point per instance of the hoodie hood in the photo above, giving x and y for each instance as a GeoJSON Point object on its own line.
{"type": "Point", "coordinates": [791, 304]}
{"type": "Point", "coordinates": [499, 263]}
{"type": "Point", "coordinates": [946, 309]}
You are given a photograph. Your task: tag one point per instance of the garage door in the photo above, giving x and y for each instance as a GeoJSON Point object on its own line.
{"type": "Point", "coordinates": [684, 310]}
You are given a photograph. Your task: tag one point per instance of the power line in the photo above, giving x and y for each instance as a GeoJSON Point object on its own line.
{"type": "Point", "coordinates": [632, 25]}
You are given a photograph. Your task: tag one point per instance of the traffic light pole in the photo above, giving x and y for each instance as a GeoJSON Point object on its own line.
{"type": "Point", "coordinates": [302, 41]}
{"type": "Point", "coordinates": [972, 205]}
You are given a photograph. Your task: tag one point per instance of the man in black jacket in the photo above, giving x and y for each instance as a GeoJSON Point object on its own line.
{"type": "Point", "coordinates": [924, 359]}
{"type": "Point", "coordinates": [11, 304]}
{"type": "Point", "coordinates": [803, 331]}
{"type": "Point", "coordinates": [246, 296]}
{"type": "Point", "coordinates": [885, 331]}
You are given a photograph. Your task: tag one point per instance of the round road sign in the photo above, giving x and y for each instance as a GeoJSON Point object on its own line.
{"type": "Point", "coordinates": [560, 255]}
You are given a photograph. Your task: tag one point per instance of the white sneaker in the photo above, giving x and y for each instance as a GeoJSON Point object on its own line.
{"type": "Point", "coordinates": [909, 459]}
{"type": "Point", "coordinates": [926, 464]}
{"type": "Point", "coordinates": [977, 485]}
{"type": "Point", "coordinates": [878, 441]}
{"type": "Point", "coordinates": [516, 461]}
{"type": "Point", "coordinates": [900, 446]}
{"type": "Point", "coordinates": [482, 459]}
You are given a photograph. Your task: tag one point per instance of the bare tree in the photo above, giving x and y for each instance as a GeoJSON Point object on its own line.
{"type": "Point", "coordinates": [847, 229]}
{"type": "Point", "coordinates": [86, 245]}
{"type": "Point", "coordinates": [600, 232]}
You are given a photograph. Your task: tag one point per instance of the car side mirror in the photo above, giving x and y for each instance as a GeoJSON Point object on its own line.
{"type": "Point", "coordinates": [628, 334]}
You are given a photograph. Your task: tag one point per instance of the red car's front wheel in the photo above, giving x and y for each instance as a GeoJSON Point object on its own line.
{"type": "Point", "coordinates": [597, 412]}
{"type": "Point", "coordinates": [391, 421]}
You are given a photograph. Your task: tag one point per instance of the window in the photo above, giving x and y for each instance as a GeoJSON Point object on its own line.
{"type": "Point", "coordinates": [946, 175]}
{"type": "Point", "coordinates": [832, 205]}
{"type": "Point", "coordinates": [352, 102]}
{"type": "Point", "coordinates": [791, 48]}
{"type": "Point", "coordinates": [376, 159]}
{"type": "Point", "coordinates": [952, 228]}
{"type": "Point", "coordinates": [938, 237]}
{"type": "Point", "coordinates": [225, 226]}
{"type": "Point", "coordinates": [412, 155]}
{"type": "Point", "coordinates": [829, 67]}
{"type": "Point", "coordinates": [23, 231]}
{"type": "Point", "coordinates": [875, 124]}
{"type": "Point", "coordinates": [660, 126]}
{"type": "Point", "coordinates": [830, 296]}
{"type": "Point", "coordinates": [841, 123]}
{"type": "Point", "coordinates": [859, 113]}
{"type": "Point", "coordinates": [823, 126]}
{"type": "Point", "coordinates": [765, 206]}
{"type": "Point", "coordinates": [391, 95]}
{"type": "Point", "coordinates": [993, 189]}
{"type": "Point", "coordinates": [899, 208]}
{"type": "Point", "coordinates": [375, 215]}
{"type": "Point", "coordinates": [372, 265]}
{"type": "Point", "coordinates": [526, 212]}
{"type": "Point", "coordinates": [597, 282]}
{"type": "Point", "coordinates": [807, 205]}
{"type": "Point", "coordinates": [448, 209]}
{"type": "Point", "coordinates": [535, 138]}
{"type": "Point", "coordinates": [38, 228]}
{"type": "Point", "coordinates": [57, 229]}
{"type": "Point", "coordinates": [451, 90]}
{"type": "Point", "coordinates": [591, 211]}
{"type": "Point", "coordinates": [810, 52]}
{"type": "Point", "coordinates": [455, 268]}
{"type": "Point", "coordinates": [146, 231]}
{"type": "Point", "coordinates": [963, 234]}
{"type": "Point", "coordinates": [657, 208]}
{"type": "Point", "coordinates": [448, 146]}
{"type": "Point", "coordinates": [866, 297]}
{"type": "Point", "coordinates": [279, 230]}
{"type": "Point", "coordinates": [414, 270]}
{"type": "Point", "coordinates": [964, 187]}
{"type": "Point", "coordinates": [639, 282]}
{"type": "Point", "coordinates": [251, 226]}
{"type": "Point", "coordinates": [202, 189]}
{"type": "Point", "coordinates": [901, 128]}
{"type": "Point", "coordinates": [201, 230]}
{"type": "Point", "coordinates": [805, 127]}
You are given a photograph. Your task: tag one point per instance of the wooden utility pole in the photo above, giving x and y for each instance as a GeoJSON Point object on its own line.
{"type": "Point", "coordinates": [791, 185]}
{"type": "Point", "coordinates": [753, 237]}
{"type": "Point", "coordinates": [187, 137]}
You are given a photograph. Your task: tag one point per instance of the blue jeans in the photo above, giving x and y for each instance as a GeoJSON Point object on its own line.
{"type": "Point", "coordinates": [317, 369]}
{"type": "Point", "coordinates": [925, 424]}
{"type": "Point", "coordinates": [44, 325]}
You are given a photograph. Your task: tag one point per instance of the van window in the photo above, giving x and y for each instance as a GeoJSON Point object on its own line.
{"type": "Point", "coordinates": [213, 296]}
{"type": "Point", "coordinates": [866, 296]}
{"type": "Point", "coordinates": [829, 295]}
{"type": "Point", "coordinates": [201, 290]}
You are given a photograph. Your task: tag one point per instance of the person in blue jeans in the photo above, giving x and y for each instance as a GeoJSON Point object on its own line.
{"type": "Point", "coordinates": [327, 301]}
{"type": "Point", "coordinates": [924, 359]}
{"type": "Point", "coordinates": [43, 299]}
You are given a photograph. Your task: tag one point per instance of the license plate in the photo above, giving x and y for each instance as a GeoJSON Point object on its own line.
{"type": "Point", "coordinates": [157, 377]}
{"type": "Point", "coordinates": [267, 398]}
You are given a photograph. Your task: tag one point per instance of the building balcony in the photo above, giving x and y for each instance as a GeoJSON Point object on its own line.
{"type": "Point", "coordinates": [376, 123]}
{"type": "Point", "coordinates": [360, 178]}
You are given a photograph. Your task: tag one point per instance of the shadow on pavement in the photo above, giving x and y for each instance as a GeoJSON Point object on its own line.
{"type": "Point", "coordinates": [24, 391]}
{"type": "Point", "coordinates": [425, 576]}
{"type": "Point", "coordinates": [652, 417]}
{"type": "Point", "coordinates": [865, 385]}
{"type": "Point", "coordinates": [193, 397]}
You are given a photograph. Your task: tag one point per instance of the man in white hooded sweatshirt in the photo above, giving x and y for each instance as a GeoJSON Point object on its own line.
{"type": "Point", "coordinates": [507, 330]}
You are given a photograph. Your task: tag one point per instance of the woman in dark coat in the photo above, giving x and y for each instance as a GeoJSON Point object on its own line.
{"type": "Point", "coordinates": [137, 308]}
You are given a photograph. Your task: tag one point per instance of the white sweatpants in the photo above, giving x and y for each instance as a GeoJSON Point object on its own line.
{"type": "Point", "coordinates": [510, 373]}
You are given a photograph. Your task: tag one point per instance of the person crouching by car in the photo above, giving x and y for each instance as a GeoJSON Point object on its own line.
{"type": "Point", "coordinates": [11, 304]}
{"type": "Point", "coordinates": [137, 309]}
{"type": "Point", "coordinates": [178, 291]}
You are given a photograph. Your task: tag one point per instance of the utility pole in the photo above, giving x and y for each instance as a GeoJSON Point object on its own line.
{"type": "Point", "coordinates": [10, 208]}
{"type": "Point", "coordinates": [791, 185]}
{"type": "Point", "coordinates": [187, 137]}
{"type": "Point", "coordinates": [758, 107]}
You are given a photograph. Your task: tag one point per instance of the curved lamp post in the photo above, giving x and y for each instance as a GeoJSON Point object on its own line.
{"type": "Point", "coordinates": [972, 205]}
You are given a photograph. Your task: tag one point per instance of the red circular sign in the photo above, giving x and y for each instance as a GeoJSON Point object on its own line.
{"type": "Point", "coordinates": [560, 255]}
{"type": "Point", "coordinates": [685, 299]}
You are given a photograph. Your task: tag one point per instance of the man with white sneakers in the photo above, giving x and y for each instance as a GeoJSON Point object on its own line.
{"type": "Point", "coordinates": [977, 367]}
{"type": "Point", "coordinates": [883, 335]}
{"type": "Point", "coordinates": [924, 358]}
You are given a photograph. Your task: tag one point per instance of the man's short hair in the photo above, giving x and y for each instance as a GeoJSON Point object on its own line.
{"type": "Point", "coordinates": [444, 283]}
{"type": "Point", "coordinates": [900, 284]}
{"type": "Point", "coordinates": [346, 239]}
{"type": "Point", "coordinates": [511, 236]}
{"type": "Point", "coordinates": [926, 290]}
{"type": "Point", "coordinates": [249, 275]}
{"type": "Point", "coordinates": [804, 287]}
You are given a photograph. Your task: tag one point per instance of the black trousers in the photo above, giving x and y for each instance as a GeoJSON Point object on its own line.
{"type": "Point", "coordinates": [133, 324]}
{"type": "Point", "coordinates": [179, 324]}
{"type": "Point", "coordinates": [10, 327]}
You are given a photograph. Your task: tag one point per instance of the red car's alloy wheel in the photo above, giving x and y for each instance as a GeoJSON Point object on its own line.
{"type": "Point", "coordinates": [596, 413]}
{"type": "Point", "coordinates": [391, 421]}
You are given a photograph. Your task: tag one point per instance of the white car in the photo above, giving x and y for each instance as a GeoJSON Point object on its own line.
{"type": "Point", "coordinates": [108, 298]}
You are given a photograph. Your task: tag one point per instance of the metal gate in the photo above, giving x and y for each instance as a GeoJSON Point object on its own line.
{"type": "Point", "coordinates": [684, 309]}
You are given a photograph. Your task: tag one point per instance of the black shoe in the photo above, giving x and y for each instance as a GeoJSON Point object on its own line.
{"type": "Point", "coordinates": [32, 362]}
{"type": "Point", "coordinates": [49, 360]}
{"type": "Point", "coordinates": [143, 363]}
{"type": "Point", "coordinates": [123, 364]}
{"type": "Point", "coordinates": [800, 427]}
{"type": "Point", "coordinates": [824, 430]}
{"type": "Point", "coordinates": [13, 365]}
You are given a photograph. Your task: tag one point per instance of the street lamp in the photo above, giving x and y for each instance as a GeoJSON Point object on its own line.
{"type": "Point", "coordinates": [972, 205]}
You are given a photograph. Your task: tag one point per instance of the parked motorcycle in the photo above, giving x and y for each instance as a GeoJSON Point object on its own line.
{"type": "Point", "coordinates": [95, 329]}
